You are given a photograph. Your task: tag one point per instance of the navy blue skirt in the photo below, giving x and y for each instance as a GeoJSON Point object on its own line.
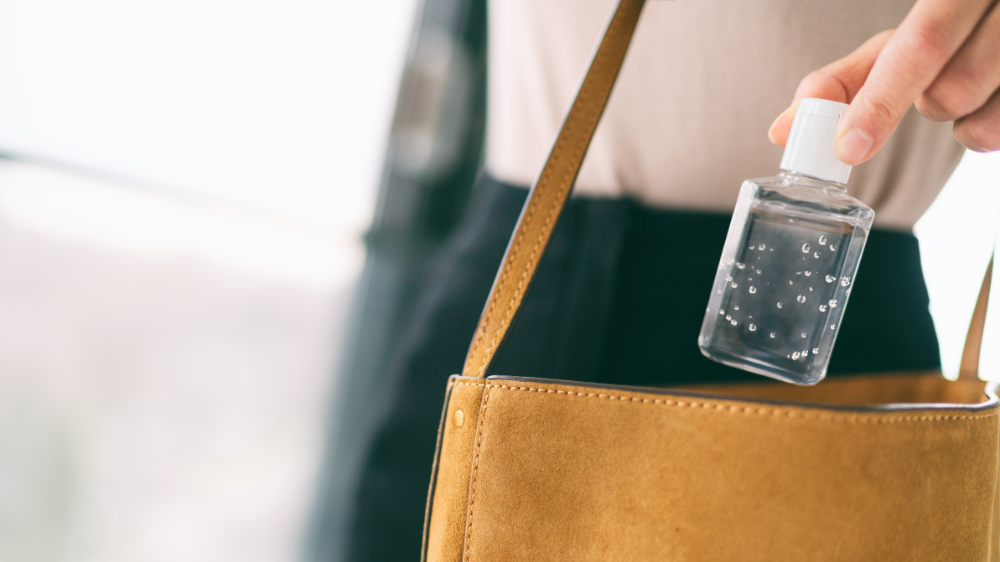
{"type": "Point", "coordinates": [618, 298]}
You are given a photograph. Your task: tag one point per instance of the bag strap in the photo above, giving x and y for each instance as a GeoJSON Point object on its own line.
{"type": "Point", "coordinates": [549, 193]}
{"type": "Point", "coordinates": [969, 369]}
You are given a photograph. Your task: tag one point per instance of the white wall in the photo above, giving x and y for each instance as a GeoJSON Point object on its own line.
{"type": "Point", "coordinates": [957, 236]}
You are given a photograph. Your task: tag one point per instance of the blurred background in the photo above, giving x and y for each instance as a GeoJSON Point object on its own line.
{"type": "Point", "coordinates": [184, 186]}
{"type": "Point", "coordinates": [213, 215]}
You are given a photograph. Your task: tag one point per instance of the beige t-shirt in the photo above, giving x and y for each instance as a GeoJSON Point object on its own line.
{"type": "Point", "coordinates": [701, 84]}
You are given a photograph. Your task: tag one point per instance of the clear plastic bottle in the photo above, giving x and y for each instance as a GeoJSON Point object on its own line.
{"type": "Point", "coordinates": [789, 261]}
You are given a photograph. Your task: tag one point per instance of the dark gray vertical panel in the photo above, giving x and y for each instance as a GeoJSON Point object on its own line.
{"type": "Point", "coordinates": [432, 160]}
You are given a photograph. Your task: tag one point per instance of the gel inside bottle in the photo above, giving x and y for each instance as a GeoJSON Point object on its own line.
{"type": "Point", "coordinates": [789, 261]}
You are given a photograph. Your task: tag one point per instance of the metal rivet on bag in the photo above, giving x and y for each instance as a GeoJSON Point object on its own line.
{"type": "Point", "coordinates": [459, 418]}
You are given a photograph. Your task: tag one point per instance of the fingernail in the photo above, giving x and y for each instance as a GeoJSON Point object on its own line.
{"type": "Point", "coordinates": [853, 148]}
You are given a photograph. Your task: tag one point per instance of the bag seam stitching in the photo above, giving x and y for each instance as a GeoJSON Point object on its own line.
{"type": "Point", "coordinates": [475, 470]}
{"type": "Point", "coordinates": [879, 418]}
{"type": "Point", "coordinates": [775, 413]}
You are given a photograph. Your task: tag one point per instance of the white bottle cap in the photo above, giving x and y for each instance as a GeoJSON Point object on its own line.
{"type": "Point", "coordinates": [810, 149]}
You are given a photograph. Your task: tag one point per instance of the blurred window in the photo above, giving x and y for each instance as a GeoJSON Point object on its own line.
{"type": "Point", "coordinates": [184, 186]}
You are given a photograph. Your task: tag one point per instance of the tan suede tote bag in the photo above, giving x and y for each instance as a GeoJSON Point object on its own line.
{"type": "Point", "coordinates": [894, 467]}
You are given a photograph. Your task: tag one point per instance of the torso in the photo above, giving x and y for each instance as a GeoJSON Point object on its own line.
{"type": "Point", "coordinates": [688, 118]}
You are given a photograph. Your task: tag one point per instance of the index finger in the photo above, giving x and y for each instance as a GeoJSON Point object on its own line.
{"type": "Point", "coordinates": [837, 81]}
{"type": "Point", "coordinates": [921, 46]}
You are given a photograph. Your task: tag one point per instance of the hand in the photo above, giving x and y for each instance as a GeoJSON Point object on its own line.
{"type": "Point", "coordinates": [944, 58]}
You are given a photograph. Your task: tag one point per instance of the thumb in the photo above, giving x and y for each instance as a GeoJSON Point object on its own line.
{"type": "Point", "coordinates": [838, 81]}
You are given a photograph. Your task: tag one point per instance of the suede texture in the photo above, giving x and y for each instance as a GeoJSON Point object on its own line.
{"type": "Point", "coordinates": [858, 390]}
{"type": "Point", "coordinates": [449, 494]}
{"type": "Point", "coordinates": [574, 472]}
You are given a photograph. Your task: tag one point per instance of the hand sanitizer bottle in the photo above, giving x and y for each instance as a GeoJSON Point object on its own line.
{"type": "Point", "coordinates": [789, 261]}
